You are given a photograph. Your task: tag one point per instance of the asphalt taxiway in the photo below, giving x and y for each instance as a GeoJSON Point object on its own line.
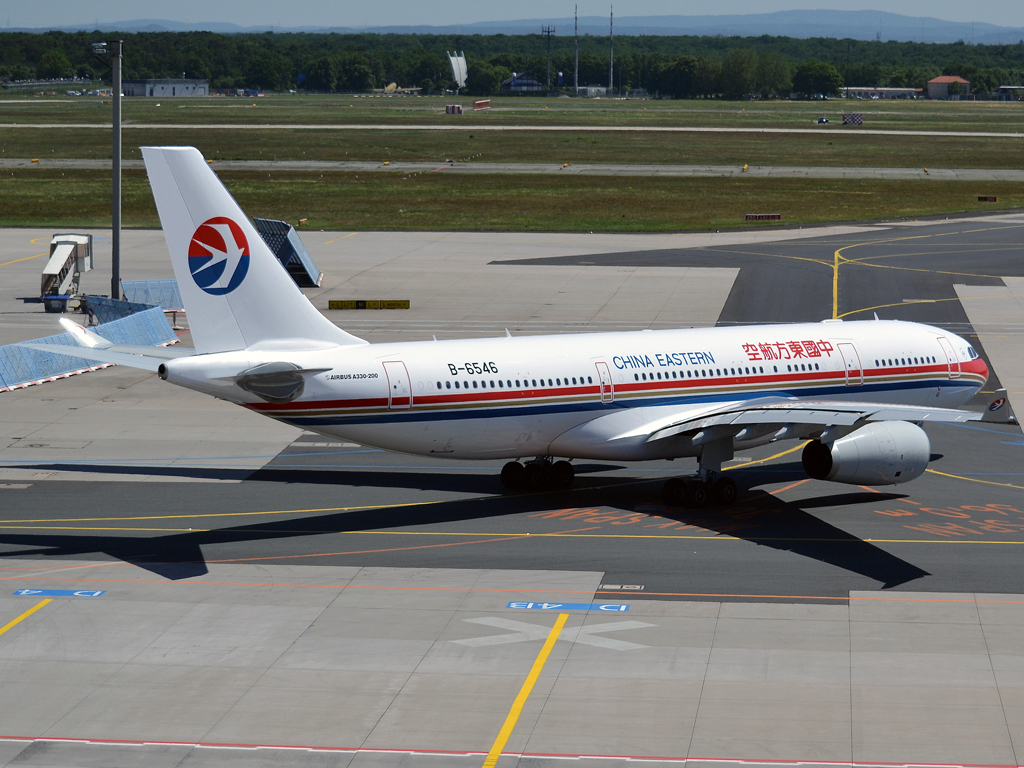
{"type": "Point", "coordinates": [277, 597]}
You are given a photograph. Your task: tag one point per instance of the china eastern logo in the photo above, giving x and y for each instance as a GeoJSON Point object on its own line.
{"type": "Point", "coordinates": [218, 256]}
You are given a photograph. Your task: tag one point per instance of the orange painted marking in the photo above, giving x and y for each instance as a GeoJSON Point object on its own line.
{"type": "Point", "coordinates": [789, 487]}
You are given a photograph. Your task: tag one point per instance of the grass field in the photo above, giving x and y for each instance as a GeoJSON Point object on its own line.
{"type": "Point", "coordinates": [39, 196]}
{"type": "Point", "coordinates": [385, 201]}
{"type": "Point", "coordinates": [513, 147]}
{"type": "Point", "coordinates": [896, 114]}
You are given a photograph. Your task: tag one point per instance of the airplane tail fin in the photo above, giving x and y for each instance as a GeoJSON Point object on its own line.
{"type": "Point", "coordinates": [236, 293]}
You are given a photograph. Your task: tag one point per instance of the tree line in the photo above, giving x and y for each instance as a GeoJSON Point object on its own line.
{"type": "Point", "coordinates": [671, 66]}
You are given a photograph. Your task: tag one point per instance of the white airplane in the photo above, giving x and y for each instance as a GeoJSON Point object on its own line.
{"type": "Point", "coordinates": [857, 391]}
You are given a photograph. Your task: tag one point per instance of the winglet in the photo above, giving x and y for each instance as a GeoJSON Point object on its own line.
{"type": "Point", "coordinates": [999, 410]}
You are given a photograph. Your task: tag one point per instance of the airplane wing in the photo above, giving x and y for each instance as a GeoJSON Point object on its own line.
{"type": "Point", "coordinates": [798, 418]}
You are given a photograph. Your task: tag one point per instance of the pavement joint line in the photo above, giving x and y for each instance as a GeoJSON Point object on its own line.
{"type": "Point", "coordinates": [524, 693]}
{"type": "Point", "coordinates": [779, 762]}
{"type": "Point", "coordinates": [507, 590]}
{"type": "Point", "coordinates": [25, 615]}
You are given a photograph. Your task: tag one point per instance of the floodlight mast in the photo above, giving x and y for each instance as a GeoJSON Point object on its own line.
{"type": "Point", "coordinates": [115, 203]}
{"type": "Point", "coordinates": [576, 46]}
{"type": "Point", "coordinates": [611, 50]}
{"type": "Point", "coordinates": [548, 32]}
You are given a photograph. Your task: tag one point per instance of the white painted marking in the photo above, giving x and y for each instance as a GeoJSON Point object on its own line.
{"type": "Point", "coordinates": [524, 632]}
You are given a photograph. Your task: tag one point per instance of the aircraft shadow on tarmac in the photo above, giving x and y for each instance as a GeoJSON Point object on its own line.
{"type": "Point", "coordinates": [768, 521]}
{"type": "Point", "coordinates": [758, 518]}
{"type": "Point", "coordinates": [427, 480]}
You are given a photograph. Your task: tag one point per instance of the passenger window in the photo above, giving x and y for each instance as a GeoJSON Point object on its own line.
{"type": "Point", "coordinates": [448, 385]}
{"type": "Point", "coordinates": [558, 382]}
{"type": "Point", "coordinates": [573, 379]}
{"type": "Point", "coordinates": [776, 368]}
{"type": "Point", "coordinates": [492, 385]}
{"type": "Point", "coordinates": [815, 366]}
{"type": "Point", "coordinates": [549, 383]}
{"type": "Point", "coordinates": [474, 384]}
{"type": "Point", "coordinates": [659, 374]}
{"type": "Point", "coordinates": [789, 368]}
{"type": "Point", "coordinates": [534, 382]}
{"type": "Point", "coordinates": [456, 385]}
{"type": "Point", "coordinates": [589, 380]}
{"type": "Point", "coordinates": [762, 369]}
{"type": "Point", "coordinates": [636, 377]}
{"type": "Point", "coordinates": [439, 385]}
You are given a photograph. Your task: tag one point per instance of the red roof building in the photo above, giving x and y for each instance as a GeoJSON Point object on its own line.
{"type": "Point", "coordinates": [939, 88]}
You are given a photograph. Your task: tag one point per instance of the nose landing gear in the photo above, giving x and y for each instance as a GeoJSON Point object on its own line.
{"type": "Point", "coordinates": [538, 475]}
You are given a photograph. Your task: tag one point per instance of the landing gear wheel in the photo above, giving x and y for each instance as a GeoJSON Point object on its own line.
{"type": "Point", "coordinates": [562, 475]}
{"type": "Point", "coordinates": [512, 475]}
{"type": "Point", "coordinates": [696, 494]}
{"type": "Point", "coordinates": [725, 491]}
{"type": "Point", "coordinates": [673, 491]}
{"type": "Point", "coordinates": [536, 476]}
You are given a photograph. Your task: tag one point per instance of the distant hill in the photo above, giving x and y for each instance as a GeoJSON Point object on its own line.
{"type": "Point", "coordinates": [858, 25]}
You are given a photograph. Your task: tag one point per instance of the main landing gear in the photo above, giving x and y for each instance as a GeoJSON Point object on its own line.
{"type": "Point", "coordinates": [709, 485]}
{"type": "Point", "coordinates": [694, 492]}
{"type": "Point", "coordinates": [537, 475]}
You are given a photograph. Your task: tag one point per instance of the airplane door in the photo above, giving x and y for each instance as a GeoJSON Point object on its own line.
{"type": "Point", "coordinates": [604, 375]}
{"type": "Point", "coordinates": [399, 391]}
{"type": "Point", "coordinates": [854, 371]}
{"type": "Point", "coordinates": [952, 361]}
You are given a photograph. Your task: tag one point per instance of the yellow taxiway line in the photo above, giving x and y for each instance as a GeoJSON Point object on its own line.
{"type": "Point", "coordinates": [524, 693]}
{"type": "Point", "coordinates": [25, 615]}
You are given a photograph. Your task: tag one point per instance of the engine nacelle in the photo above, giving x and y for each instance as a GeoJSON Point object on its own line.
{"type": "Point", "coordinates": [884, 453]}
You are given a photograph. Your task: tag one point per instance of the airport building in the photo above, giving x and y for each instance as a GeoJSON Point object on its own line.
{"type": "Point", "coordinates": [880, 93]}
{"type": "Point", "coordinates": [939, 88]}
{"type": "Point", "coordinates": [521, 83]}
{"type": "Point", "coordinates": [165, 87]}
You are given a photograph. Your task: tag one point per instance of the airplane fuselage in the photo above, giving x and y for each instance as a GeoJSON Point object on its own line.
{"type": "Point", "coordinates": [582, 395]}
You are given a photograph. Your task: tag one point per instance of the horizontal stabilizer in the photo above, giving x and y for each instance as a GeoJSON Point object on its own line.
{"type": "Point", "coordinates": [100, 355]}
{"type": "Point", "coordinates": [999, 410]}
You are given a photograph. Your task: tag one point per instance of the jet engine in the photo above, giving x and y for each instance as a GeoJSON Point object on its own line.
{"type": "Point", "coordinates": [884, 453]}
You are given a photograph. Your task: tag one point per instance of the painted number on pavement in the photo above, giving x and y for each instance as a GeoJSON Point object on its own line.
{"type": "Point", "coordinates": [570, 606]}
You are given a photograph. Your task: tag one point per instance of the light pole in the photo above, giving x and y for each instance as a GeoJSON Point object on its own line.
{"type": "Point", "coordinates": [115, 202]}
{"type": "Point", "coordinates": [114, 49]}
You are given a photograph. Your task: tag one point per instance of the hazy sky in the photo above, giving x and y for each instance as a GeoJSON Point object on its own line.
{"type": "Point", "coordinates": [42, 13]}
